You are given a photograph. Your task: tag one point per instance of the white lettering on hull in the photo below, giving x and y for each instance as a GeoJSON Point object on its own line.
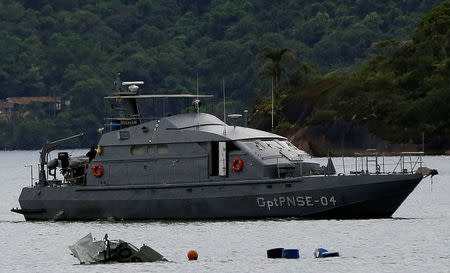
{"type": "Point", "coordinates": [295, 201]}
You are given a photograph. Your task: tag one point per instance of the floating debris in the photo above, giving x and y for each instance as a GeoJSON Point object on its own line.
{"type": "Point", "coordinates": [290, 254]}
{"type": "Point", "coordinates": [323, 253]}
{"type": "Point", "coordinates": [89, 251]}
{"type": "Point", "coordinates": [275, 253]}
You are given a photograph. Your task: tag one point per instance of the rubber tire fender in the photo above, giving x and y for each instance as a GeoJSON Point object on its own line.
{"type": "Point", "coordinates": [125, 252]}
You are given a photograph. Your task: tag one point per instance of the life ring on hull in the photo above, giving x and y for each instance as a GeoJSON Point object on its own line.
{"type": "Point", "coordinates": [97, 170]}
{"type": "Point", "coordinates": [237, 164]}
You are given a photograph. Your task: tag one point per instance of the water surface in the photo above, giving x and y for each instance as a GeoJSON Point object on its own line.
{"type": "Point", "coordinates": [417, 239]}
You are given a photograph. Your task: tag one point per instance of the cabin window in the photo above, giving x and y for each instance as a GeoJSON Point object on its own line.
{"type": "Point", "coordinates": [139, 149]}
{"type": "Point", "coordinates": [273, 144]}
{"type": "Point", "coordinates": [124, 135]}
{"type": "Point", "coordinates": [149, 149]}
{"type": "Point", "coordinates": [274, 148]}
{"type": "Point", "coordinates": [289, 146]}
{"type": "Point", "coordinates": [163, 149]}
{"type": "Point", "coordinates": [253, 145]}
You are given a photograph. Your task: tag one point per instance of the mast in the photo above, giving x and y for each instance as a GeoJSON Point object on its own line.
{"type": "Point", "coordinates": [272, 104]}
{"type": "Point", "coordinates": [129, 114]}
{"type": "Point", "coordinates": [224, 114]}
{"type": "Point", "coordinates": [223, 92]}
{"type": "Point", "coordinates": [124, 101]}
{"type": "Point", "coordinates": [198, 106]}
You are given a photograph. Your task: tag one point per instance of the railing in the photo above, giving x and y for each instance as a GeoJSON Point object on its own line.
{"type": "Point", "coordinates": [371, 162]}
{"type": "Point", "coordinates": [411, 162]}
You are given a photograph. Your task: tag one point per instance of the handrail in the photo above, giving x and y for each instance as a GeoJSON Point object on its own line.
{"type": "Point", "coordinates": [408, 162]}
{"type": "Point", "coordinates": [47, 148]}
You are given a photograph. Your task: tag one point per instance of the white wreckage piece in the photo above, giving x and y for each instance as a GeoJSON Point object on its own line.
{"type": "Point", "coordinates": [89, 251]}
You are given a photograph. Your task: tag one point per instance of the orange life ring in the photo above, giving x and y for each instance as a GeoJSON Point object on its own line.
{"type": "Point", "coordinates": [97, 170]}
{"type": "Point", "coordinates": [237, 164]}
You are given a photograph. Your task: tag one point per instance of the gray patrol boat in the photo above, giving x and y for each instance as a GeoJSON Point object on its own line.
{"type": "Point", "coordinates": [194, 166]}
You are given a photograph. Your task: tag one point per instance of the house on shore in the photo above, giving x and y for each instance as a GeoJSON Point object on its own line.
{"type": "Point", "coordinates": [13, 107]}
{"type": "Point", "coordinates": [6, 111]}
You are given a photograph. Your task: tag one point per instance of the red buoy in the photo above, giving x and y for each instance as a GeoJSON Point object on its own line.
{"type": "Point", "coordinates": [192, 255]}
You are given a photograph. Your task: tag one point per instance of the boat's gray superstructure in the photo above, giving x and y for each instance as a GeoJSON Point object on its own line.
{"type": "Point", "coordinates": [194, 166]}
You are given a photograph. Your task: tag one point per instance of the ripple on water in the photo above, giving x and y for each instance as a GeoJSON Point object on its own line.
{"type": "Point", "coordinates": [416, 240]}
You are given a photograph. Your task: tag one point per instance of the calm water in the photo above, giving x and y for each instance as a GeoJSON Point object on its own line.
{"type": "Point", "coordinates": [417, 239]}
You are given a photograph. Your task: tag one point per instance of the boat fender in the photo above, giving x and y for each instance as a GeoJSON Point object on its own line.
{"type": "Point", "coordinates": [237, 164]}
{"type": "Point", "coordinates": [125, 253]}
{"type": "Point", "coordinates": [97, 170]}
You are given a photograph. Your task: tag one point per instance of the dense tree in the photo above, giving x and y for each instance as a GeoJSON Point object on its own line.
{"type": "Point", "coordinates": [273, 59]}
{"type": "Point", "coordinates": [398, 94]}
{"type": "Point", "coordinates": [75, 47]}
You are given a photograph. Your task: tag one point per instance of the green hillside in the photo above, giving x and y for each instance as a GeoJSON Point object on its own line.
{"type": "Point", "coordinates": [400, 95]}
{"type": "Point", "coordinates": [74, 48]}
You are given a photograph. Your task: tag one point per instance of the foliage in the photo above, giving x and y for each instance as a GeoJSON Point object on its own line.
{"type": "Point", "coordinates": [273, 59]}
{"type": "Point", "coordinates": [406, 93]}
{"type": "Point", "coordinates": [399, 94]}
{"type": "Point", "coordinates": [75, 47]}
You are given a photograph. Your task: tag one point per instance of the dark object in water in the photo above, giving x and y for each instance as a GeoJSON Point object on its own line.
{"type": "Point", "coordinates": [290, 253]}
{"type": "Point", "coordinates": [192, 255]}
{"type": "Point", "coordinates": [88, 251]}
{"type": "Point", "coordinates": [427, 171]}
{"type": "Point", "coordinates": [275, 253]}
{"type": "Point", "coordinates": [323, 253]}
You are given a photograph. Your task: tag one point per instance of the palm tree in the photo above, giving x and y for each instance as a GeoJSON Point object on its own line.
{"type": "Point", "coordinates": [273, 59]}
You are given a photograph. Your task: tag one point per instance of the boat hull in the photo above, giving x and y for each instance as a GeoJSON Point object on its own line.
{"type": "Point", "coordinates": [329, 197]}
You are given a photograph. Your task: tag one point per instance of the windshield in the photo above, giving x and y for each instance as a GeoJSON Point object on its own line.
{"type": "Point", "coordinates": [274, 148]}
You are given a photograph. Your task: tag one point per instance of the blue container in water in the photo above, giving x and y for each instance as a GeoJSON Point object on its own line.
{"type": "Point", "coordinates": [290, 253]}
{"type": "Point", "coordinates": [323, 253]}
{"type": "Point", "coordinates": [330, 254]}
{"type": "Point", "coordinates": [275, 253]}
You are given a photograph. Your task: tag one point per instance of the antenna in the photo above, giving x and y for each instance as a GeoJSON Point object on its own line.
{"type": "Point", "coordinates": [224, 114]}
{"type": "Point", "coordinates": [117, 83]}
{"type": "Point", "coordinates": [197, 85]}
{"type": "Point", "coordinates": [198, 106]}
{"type": "Point", "coordinates": [423, 143]}
{"type": "Point", "coordinates": [272, 104]}
{"type": "Point", "coordinates": [223, 92]}
{"type": "Point", "coordinates": [246, 117]}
